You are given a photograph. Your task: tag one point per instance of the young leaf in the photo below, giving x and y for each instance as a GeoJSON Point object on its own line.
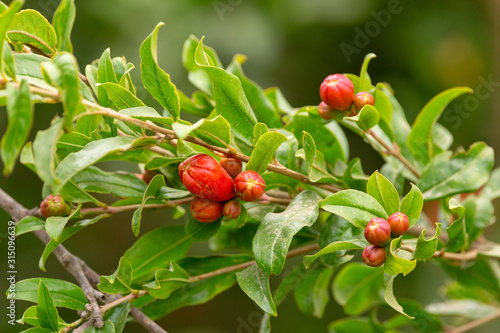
{"type": "Point", "coordinates": [230, 99]}
{"type": "Point", "coordinates": [63, 293]}
{"type": "Point", "coordinates": [105, 73]}
{"type": "Point", "coordinates": [258, 130]}
{"type": "Point", "coordinates": [396, 262]}
{"type": "Point", "coordinates": [264, 151]}
{"type": "Point", "coordinates": [354, 244]}
{"type": "Point", "coordinates": [389, 295]}
{"type": "Point", "coordinates": [28, 224]}
{"type": "Point", "coordinates": [63, 24]}
{"type": "Point", "coordinates": [420, 138]}
{"type": "Point", "coordinates": [167, 281]}
{"type": "Point", "coordinates": [275, 233]}
{"type": "Point", "coordinates": [30, 317]}
{"type": "Point", "coordinates": [309, 150]}
{"type": "Point", "coordinates": [311, 292]}
{"type": "Point", "coordinates": [155, 80]}
{"type": "Point", "coordinates": [367, 117]}
{"type": "Point", "coordinates": [255, 283]}
{"type": "Point", "coordinates": [386, 194]}
{"type": "Point", "coordinates": [6, 18]}
{"type": "Point", "coordinates": [457, 231]}
{"type": "Point", "coordinates": [462, 172]}
{"type": "Point", "coordinates": [156, 250]}
{"type": "Point", "coordinates": [20, 115]}
{"type": "Point", "coordinates": [119, 281]}
{"type": "Point", "coordinates": [151, 192]}
{"type": "Point", "coordinates": [121, 97]}
{"type": "Point", "coordinates": [199, 231]}
{"type": "Point", "coordinates": [355, 206]}
{"type": "Point", "coordinates": [30, 27]}
{"type": "Point", "coordinates": [47, 311]}
{"type": "Point", "coordinates": [426, 248]}
{"type": "Point", "coordinates": [412, 204]}
{"type": "Point", "coordinates": [54, 225]}
{"type": "Point", "coordinates": [365, 83]}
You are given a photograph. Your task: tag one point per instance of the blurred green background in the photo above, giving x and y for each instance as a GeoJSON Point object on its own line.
{"type": "Point", "coordinates": [423, 47]}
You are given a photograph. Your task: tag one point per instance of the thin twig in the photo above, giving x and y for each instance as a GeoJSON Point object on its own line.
{"type": "Point", "coordinates": [121, 300]}
{"type": "Point", "coordinates": [474, 323]}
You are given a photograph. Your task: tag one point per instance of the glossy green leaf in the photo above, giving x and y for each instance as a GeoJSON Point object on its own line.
{"type": "Point", "coordinates": [426, 248]}
{"type": "Point", "coordinates": [63, 293]}
{"type": "Point", "coordinates": [365, 82]}
{"type": "Point", "coordinates": [384, 108]}
{"type": "Point", "coordinates": [309, 150]}
{"type": "Point", "coordinates": [354, 244]}
{"type": "Point", "coordinates": [20, 120]}
{"type": "Point", "coordinates": [355, 206]}
{"type": "Point", "coordinates": [28, 224]}
{"type": "Point", "coordinates": [121, 97]}
{"type": "Point", "coordinates": [264, 151]}
{"type": "Point", "coordinates": [216, 131]}
{"type": "Point", "coordinates": [389, 296]}
{"type": "Point", "coordinates": [167, 281]}
{"type": "Point", "coordinates": [311, 293]}
{"type": "Point", "coordinates": [386, 194]}
{"type": "Point", "coordinates": [449, 174]}
{"type": "Point", "coordinates": [44, 149]}
{"type": "Point", "coordinates": [264, 109]}
{"type": "Point", "coordinates": [230, 99]}
{"type": "Point", "coordinates": [367, 117]}
{"type": "Point", "coordinates": [318, 172]}
{"type": "Point", "coordinates": [118, 316]}
{"type": "Point", "coordinates": [119, 281]}
{"type": "Point", "coordinates": [155, 80]}
{"type": "Point", "coordinates": [420, 138]}
{"type": "Point", "coordinates": [412, 205]}
{"type": "Point", "coordinates": [47, 312]}
{"type": "Point", "coordinates": [258, 130]}
{"type": "Point", "coordinates": [357, 287]}
{"type": "Point", "coordinates": [156, 250]}
{"type": "Point", "coordinates": [30, 317]}
{"type": "Point", "coordinates": [108, 327]}
{"type": "Point", "coordinates": [255, 283]}
{"type": "Point", "coordinates": [54, 225]}
{"type": "Point", "coordinates": [62, 21]}
{"type": "Point", "coordinates": [152, 190]}
{"type": "Point", "coordinates": [275, 233]}
{"type": "Point", "coordinates": [90, 154]}
{"type": "Point", "coordinates": [457, 231]}
{"type": "Point", "coordinates": [32, 28]}
{"type": "Point", "coordinates": [354, 176]}
{"type": "Point", "coordinates": [105, 73]}
{"type": "Point", "coordinates": [6, 18]}
{"type": "Point", "coordinates": [398, 261]}
{"type": "Point", "coordinates": [202, 231]}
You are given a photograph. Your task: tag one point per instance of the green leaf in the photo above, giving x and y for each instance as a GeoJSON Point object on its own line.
{"type": "Point", "coordinates": [354, 244]}
{"type": "Point", "coordinates": [9, 62]}
{"type": "Point", "coordinates": [311, 292]}
{"type": "Point", "coordinates": [20, 120]}
{"type": "Point", "coordinates": [199, 231]}
{"type": "Point", "coordinates": [355, 206]}
{"type": "Point", "coordinates": [105, 73]}
{"type": "Point", "coordinates": [275, 233]}
{"type": "Point", "coordinates": [389, 296]}
{"type": "Point", "coordinates": [151, 192]}
{"type": "Point", "coordinates": [62, 71]}
{"type": "Point", "coordinates": [412, 205]}
{"type": "Point", "coordinates": [352, 325]}
{"type": "Point", "coordinates": [386, 194]}
{"type": "Point", "coordinates": [258, 130]}
{"type": "Point", "coordinates": [156, 250]}
{"type": "Point", "coordinates": [479, 213]}
{"type": "Point", "coordinates": [318, 173]}
{"type": "Point", "coordinates": [259, 102]}
{"type": "Point", "coordinates": [216, 131]}
{"type": "Point", "coordinates": [492, 189]}
{"type": "Point", "coordinates": [420, 138]}
{"type": "Point", "coordinates": [6, 18]}
{"type": "Point", "coordinates": [30, 317]}
{"type": "Point", "coordinates": [199, 104]}
{"type": "Point", "coordinates": [167, 281]}
{"type": "Point", "coordinates": [398, 261]}
{"type": "Point", "coordinates": [230, 99]}
{"type": "Point", "coordinates": [54, 225]}
{"type": "Point", "coordinates": [367, 117]}
{"type": "Point", "coordinates": [107, 328]}
{"type": "Point", "coordinates": [264, 151]}
{"type": "Point", "coordinates": [449, 174]}
{"type": "Point", "coordinates": [118, 316]}
{"type": "Point", "coordinates": [365, 82]}
{"type": "Point", "coordinates": [255, 283]}
{"type": "Point", "coordinates": [155, 80]}
{"type": "Point", "coordinates": [47, 312]}
{"type": "Point", "coordinates": [30, 27]}
{"type": "Point", "coordinates": [44, 150]}
{"type": "Point", "coordinates": [90, 154]}
{"type": "Point", "coordinates": [309, 150]}
{"type": "Point", "coordinates": [457, 231]}
{"type": "Point", "coordinates": [279, 101]}
{"type": "Point", "coordinates": [121, 97]}
{"type": "Point", "coordinates": [63, 24]}
{"type": "Point", "coordinates": [384, 108]}
{"type": "Point", "coordinates": [354, 175]}
{"type": "Point", "coordinates": [119, 281]}
{"type": "Point", "coordinates": [37, 330]}
{"type": "Point", "coordinates": [426, 248]}
{"type": "Point", "coordinates": [357, 287]}
{"type": "Point", "coordinates": [63, 293]}
{"type": "Point", "coordinates": [167, 193]}
{"type": "Point", "coordinates": [28, 224]}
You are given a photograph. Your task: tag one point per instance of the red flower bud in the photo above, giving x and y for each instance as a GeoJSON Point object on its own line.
{"type": "Point", "coordinates": [231, 209]}
{"type": "Point", "coordinates": [249, 185]}
{"type": "Point", "coordinates": [363, 98]}
{"type": "Point", "coordinates": [325, 111]}
{"type": "Point", "coordinates": [54, 205]}
{"type": "Point", "coordinates": [206, 210]}
{"type": "Point", "coordinates": [337, 91]}
{"type": "Point", "coordinates": [378, 232]}
{"type": "Point", "coordinates": [232, 166]}
{"type": "Point", "coordinates": [399, 224]}
{"type": "Point", "coordinates": [205, 177]}
{"type": "Point", "coordinates": [373, 256]}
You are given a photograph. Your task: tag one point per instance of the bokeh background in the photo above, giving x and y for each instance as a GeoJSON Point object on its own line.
{"type": "Point", "coordinates": [422, 47]}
